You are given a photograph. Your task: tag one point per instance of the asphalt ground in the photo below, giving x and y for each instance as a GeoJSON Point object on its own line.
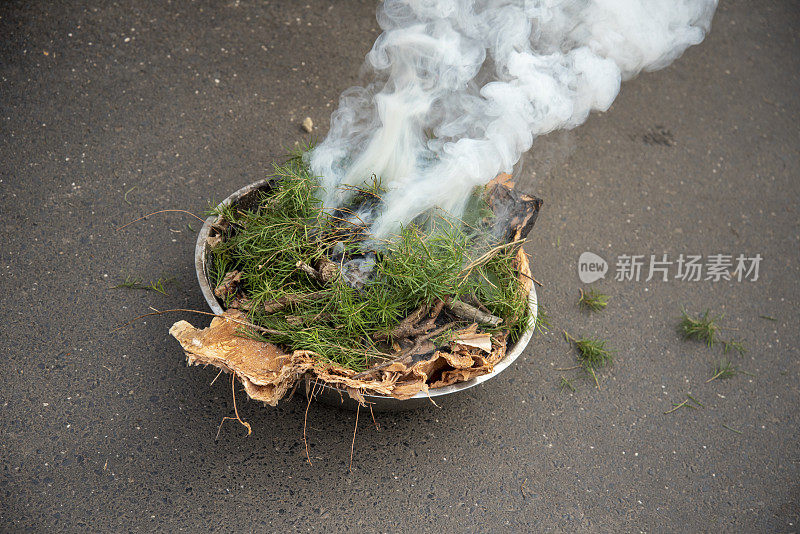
{"type": "Point", "coordinates": [112, 110]}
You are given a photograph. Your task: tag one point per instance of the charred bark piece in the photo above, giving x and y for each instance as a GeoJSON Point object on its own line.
{"type": "Point", "coordinates": [515, 213]}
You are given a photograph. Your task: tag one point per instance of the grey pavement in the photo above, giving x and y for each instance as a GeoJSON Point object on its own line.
{"type": "Point", "coordinates": [110, 110]}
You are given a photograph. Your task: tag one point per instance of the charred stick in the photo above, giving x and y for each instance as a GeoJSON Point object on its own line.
{"type": "Point", "coordinates": [431, 322]}
{"type": "Point", "coordinates": [309, 270]}
{"type": "Point", "coordinates": [406, 326]}
{"type": "Point", "coordinates": [473, 300]}
{"type": "Point", "coordinates": [406, 353]}
{"type": "Point", "coordinates": [471, 313]}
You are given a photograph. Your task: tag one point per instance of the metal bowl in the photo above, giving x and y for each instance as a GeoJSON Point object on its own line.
{"type": "Point", "coordinates": [247, 197]}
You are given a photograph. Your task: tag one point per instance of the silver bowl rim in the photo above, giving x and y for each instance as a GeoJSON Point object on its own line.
{"type": "Point", "coordinates": [208, 293]}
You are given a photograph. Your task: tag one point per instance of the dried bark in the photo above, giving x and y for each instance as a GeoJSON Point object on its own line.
{"type": "Point", "coordinates": [515, 213]}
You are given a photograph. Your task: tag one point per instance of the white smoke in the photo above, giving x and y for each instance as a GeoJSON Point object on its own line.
{"type": "Point", "coordinates": [465, 86]}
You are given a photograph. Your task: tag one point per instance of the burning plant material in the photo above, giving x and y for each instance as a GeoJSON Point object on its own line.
{"type": "Point", "coordinates": [310, 290]}
{"type": "Point", "coordinates": [412, 274]}
{"type": "Point", "coordinates": [461, 89]}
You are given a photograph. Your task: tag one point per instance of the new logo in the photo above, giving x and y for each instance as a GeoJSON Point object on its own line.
{"type": "Point", "coordinates": [591, 267]}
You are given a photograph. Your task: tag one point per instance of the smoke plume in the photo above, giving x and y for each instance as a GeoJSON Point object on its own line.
{"type": "Point", "coordinates": [463, 87]}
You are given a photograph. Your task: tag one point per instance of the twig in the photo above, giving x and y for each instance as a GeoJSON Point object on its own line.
{"type": "Point", "coordinates": [534, 280]}
{"type": "Point", "coordinates": [473, 300]}
{"type": "Point", "coordinates": [405, 327]}
{"type": "Point", "coordinates": [406, 352]}
{"type": "Point", "coordinates": [431, 322]}
{"type": "Point", "coordinates": [305, 419]}
{"type": "Point", "coordinates": [377, 426]}
{"type": "Point", "coordinates": [278, 304]}
{"type": "Point", "coordinates": [471, 313]}
{"type": "Point", "coordinates": [353, 444]}
{"type": "Point", "coordinates": [490, 254]}
{"type": "Point", "coordinates": [677, 406]}
{"type": "Point", "coordinates": [237, 321]}
{"type": "Point", "coordinates": [161, 211]}
{"type": "Point", "coordinates": [235, 410]}
{"type": "Point", "coordinates": [215, 378]}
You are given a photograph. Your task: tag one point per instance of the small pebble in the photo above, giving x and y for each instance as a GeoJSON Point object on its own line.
{"type": "Point", "coordinates": [308, 124]}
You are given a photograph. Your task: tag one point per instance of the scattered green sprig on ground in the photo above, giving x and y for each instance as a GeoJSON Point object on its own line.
{"type": "Point", "coordinates": [158, 285]}
{"type": "Point", "coordinates": [706, 328]}
{"type": "Point", "coordinates": [689, 402]}
{"type": "Point", "coordinates": [592, 354]}
{"type": "Point", "coordinates": [724, 369]}
{"type": "Point", "coordinates": [566, 384]}
{"type": "Point", "coordinates": [702, 328]}
{"type": "Point", "coordinates": [733, 345]}
{"type": "Point", "coordinates": [731, 428]}
{"type": "Point", "coordinates": [423, 263]}
{"type": "Point", "coordinates": [542, 319]}
{"type": "Point", "coordinates": [591, 300]}
{"type": "Point", "coordinates": [125, 196]}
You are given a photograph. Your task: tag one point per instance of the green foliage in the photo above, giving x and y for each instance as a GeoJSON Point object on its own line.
{"type": "Point", "coordinates": [703, 328]}
{"type": "Point", "coordinates": [592, 354]}
{"type": "Point", "coordinates": [724, 369]}
{"type": "Point", "coordinates": [566, 385]}
{"type": "Point", "coordinates": [425, 266]}
{"type": "Point", "coordinates": [159, 285]}
{"type": "Point", "coordinates": [592, 300]}
{"type": "Point", "coordinates": [424, 263]}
